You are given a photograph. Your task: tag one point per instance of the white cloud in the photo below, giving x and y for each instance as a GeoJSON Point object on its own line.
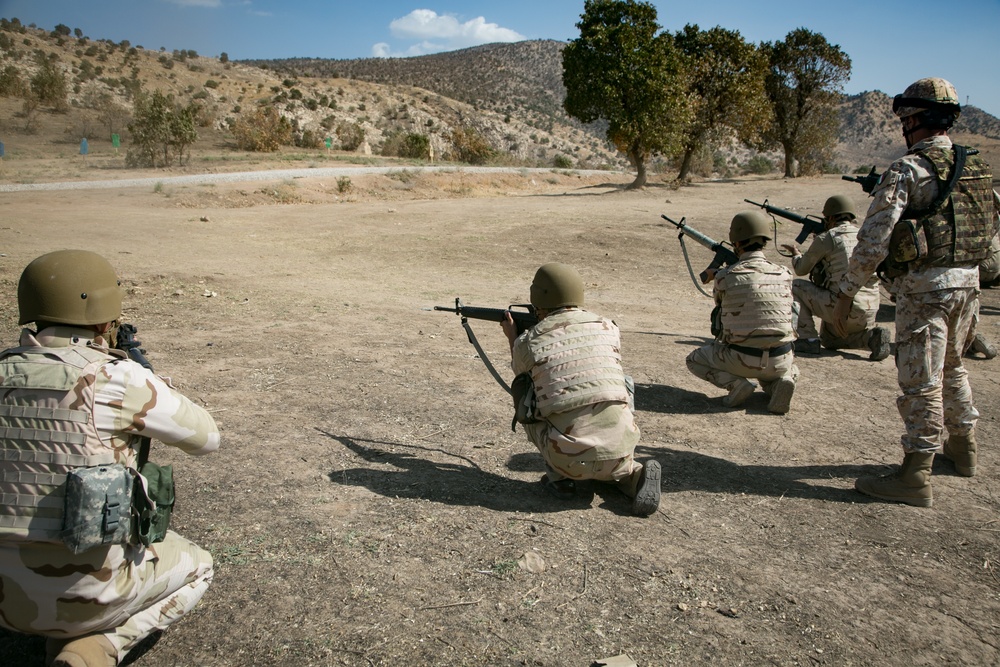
{"type": "Point", "coordinates": [441, 32]}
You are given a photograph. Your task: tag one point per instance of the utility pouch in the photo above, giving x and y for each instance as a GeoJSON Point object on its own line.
{"type": "Point", "coordinates": [154, 502]}
{"type": "Point", "coordinates": [97, 507]}
{"type": "Point", "coordinates": [522, 391]}
{"type": "Point", "coordinates": [907, 242]}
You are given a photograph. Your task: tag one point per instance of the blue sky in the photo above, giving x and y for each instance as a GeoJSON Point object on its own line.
{"type": "Point", "coordinates": [890, 44]}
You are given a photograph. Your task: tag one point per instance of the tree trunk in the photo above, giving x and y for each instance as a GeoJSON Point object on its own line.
{"type": "Point", "coordinates": [685, 164]}
{"type": "Point", "coordinates": [791, 162]}
{"type": "Point", "coordinates": [639, 162]}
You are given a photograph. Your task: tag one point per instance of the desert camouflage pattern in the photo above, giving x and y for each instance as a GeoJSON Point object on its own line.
{"type": "Point", "coordinates": [121, 591]}
{"type": "Point", "coordinates": [934, 307]}
{"type": "Point", "coordinates": [756, 299]}
{"type": "Point", "coordinates": [725, 367]}
{"type": "Point", "coordinates": [814, 301]}
{"type": "Point", "coordinates": [931, 332]}
{"type": "Point", "coordinates": [832, 250]}
{"type": "Point", "coordinates": [757, 311]}
{"type": "Point", "coordinates": [909, 183]}
{"type": "Point", "coordinates": [989, 268]}
{"type": "Point", "coordinates": [577, 361]}
{"type": "Point", "coordinates": [573, 441]}
{"type": "Point", "coordinates": [932, 89]}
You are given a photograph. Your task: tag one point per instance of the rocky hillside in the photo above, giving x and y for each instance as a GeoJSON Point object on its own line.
{"type": "Point", "coordinates": [509, 94]}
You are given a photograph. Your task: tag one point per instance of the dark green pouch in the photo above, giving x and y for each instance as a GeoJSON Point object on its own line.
{"type": "Point", "coordinates": [153, 502]}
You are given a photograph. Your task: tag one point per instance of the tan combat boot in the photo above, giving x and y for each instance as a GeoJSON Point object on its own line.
{"type": "Point", "coordinates": [910, 484]}
{"type": "Point", "coordinates": [961, 450]}
{"type": "Point", "coordinates": [88, 651]}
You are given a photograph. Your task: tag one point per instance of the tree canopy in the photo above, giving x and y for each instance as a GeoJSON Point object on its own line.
{"type": "Point", "coordinates": [725, 90]}
{"type": "Point", "coordinates": [625, 71]}
{"type": "Point", "coordinates": [804, 82]}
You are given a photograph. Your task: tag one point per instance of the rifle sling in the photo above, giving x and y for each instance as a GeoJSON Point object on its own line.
{"type": "Point", "coordinates": [482, 355]}
{"type": "Point", "coordinates": [687, 260]}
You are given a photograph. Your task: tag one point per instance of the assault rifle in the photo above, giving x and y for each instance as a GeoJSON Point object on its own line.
{"type": "Point", "coordinates": [868, 182]}
{"type": "Point", "coordinates": [524, 319]}
{"type": "Point", "coordinates": [810, 223]}
{"type": "Point", "coordinates": [724, 255]}
{"type": "Point", "coordinates": [126, 341]}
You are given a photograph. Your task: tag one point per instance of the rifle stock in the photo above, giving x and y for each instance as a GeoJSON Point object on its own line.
{"type": "Point", "coordinates": [810, 224]}
{"type": "Point", "coordinates": [724, 255]}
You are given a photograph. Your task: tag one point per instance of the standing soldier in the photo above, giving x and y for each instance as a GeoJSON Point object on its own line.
{"type": "Point", "coordinates": [72, 412]}
{"type": "Point", "coordinates": [931, 221]}
{"type": "Point", "coordinates": [826, 262]}
{"type": "Point", "coordinates": [578, 400]}
{"type": "Point", "coordinates": [755, 340]}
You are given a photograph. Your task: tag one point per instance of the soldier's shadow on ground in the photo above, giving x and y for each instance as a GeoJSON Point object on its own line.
{"type": "Point", "coordinates": [685, 470]}
{"type": "Point", "coordinates": [677, 401]}
{"type": "Point", "coordinates": [414, 475]}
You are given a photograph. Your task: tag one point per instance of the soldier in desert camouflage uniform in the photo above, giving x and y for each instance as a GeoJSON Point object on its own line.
{"type": "Point", "coordinates": [825, 262]}
{"type": "Point", "coordinates": [936, 292]}
{"type": "Point", "coordinates": [580, 415]}
{"type": "Point", "coordinates": [69, 404]}
{"type": "Point", "coordinates": [756, 336]}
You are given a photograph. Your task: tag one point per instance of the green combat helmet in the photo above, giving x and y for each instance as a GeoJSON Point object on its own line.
{"type": "Point", "coordinates": [747, 225]}
{"type": "Point", "coordinates": [838, 205]}
{"type": "Point", "coordinates": [69, 287]}
{"type": "Point", "coordinates": [556, 286]}
{"type": "Point", "coordinates": [935, 99]}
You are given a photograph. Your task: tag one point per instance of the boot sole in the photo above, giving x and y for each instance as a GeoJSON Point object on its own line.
{"type": "Point", "coordinates": [781, 397]}
{"type": "Point", "coordinates": [647, 496]}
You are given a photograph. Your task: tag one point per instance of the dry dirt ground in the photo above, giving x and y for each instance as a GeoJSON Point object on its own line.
{"type": "Point", "coordinates": [370, 504]}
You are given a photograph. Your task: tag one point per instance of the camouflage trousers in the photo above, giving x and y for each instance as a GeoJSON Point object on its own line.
{"type": "Point", "coordinates": [622, 472]}
{"type": "Point", "coordinates": [814, 301]}
{"type": "Point", "coordinates": [123, 593]}
{"type": "Point", "coordinates": [931, 331]}
{"type": "Point", "coordinates": [724, 367]}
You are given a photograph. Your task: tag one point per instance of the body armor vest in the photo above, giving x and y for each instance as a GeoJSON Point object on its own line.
{"type": "Point", "coordinates": [960, 229]}
{"type": "Point", "coordinates": [46, 431]}
{"type": "Point", "coordinates": [577, 362]}
{"type": "Point", "coordinates": [757, 304]}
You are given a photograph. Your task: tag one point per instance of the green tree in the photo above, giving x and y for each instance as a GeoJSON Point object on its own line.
{"type": "Point", "coordinates": [49, 84]}
{"type": "Point", "coordinates": [262, 129]}
{"type": "Point", "coordinates": [350, 135]}
{"type": "Point", "coordinates": [725, 90]}
{"type": "Point", "coordinates": [160, 130]}
{"type": "Point", "coordinates": [804, 82]}
{"type": "Point", "coordinates": [470, 146]}
{"type": "Point", "coordinates": [625, 71]}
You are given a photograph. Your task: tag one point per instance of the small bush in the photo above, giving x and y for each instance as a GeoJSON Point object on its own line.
{"type": "Point", "coordinates": [344, 184]}
{"type": "Point", "coordinates": [350, 135]}
{"type": "Point", "coordinates": [470, 146]}
{"type": "Point", "coordinates": [562, 162]}
{"type": "Point", "coordinates": [758, 164]}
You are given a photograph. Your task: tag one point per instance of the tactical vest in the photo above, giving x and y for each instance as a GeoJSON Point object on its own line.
{"type": "Point", "coordinates": [577, 362]}
{"type": "Point", "coordinates": [46, 431]}
{"type": "Point", "coordinates": [959, 231]}
{"type": "Point", "coordinates": [757, 304]}
{"type": "Point", "coordinates": [844, 237]}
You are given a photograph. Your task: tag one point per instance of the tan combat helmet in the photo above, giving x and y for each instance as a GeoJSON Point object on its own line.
{"type": "Point", "coordinates": [936, 99]}
{"type": "Point", "coordinates": [69, 287]}
{"type": "Point", "coordinates": [838, 205]}
{"type": "Point", "coordinates": [747, 225]}
{"type": "Point", "coordinates": [556, 286]}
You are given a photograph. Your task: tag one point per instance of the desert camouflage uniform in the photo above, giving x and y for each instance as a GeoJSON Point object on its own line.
{"type": "Point", "coordinates": [831, 250]}
{"type": "Point", "coordinates": [934, 307]}
{"type": "Point", "coordinates": [123, 592]}
{"type": "Point", "coordinates": [989, 268]}
{"type": "Point", "coordinates": [755, 314]}
{"type": "Point", "coordinates": [587, 429]}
